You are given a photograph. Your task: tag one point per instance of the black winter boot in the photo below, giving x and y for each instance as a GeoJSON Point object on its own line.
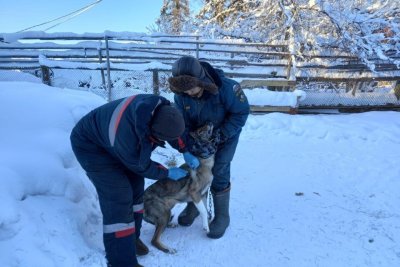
{"type": "Point", "coordinates": [221, 211]}
{"type": "Point", "coordinates": [187, 216]}
{"type": "Point", "coordinates": [141, 248]}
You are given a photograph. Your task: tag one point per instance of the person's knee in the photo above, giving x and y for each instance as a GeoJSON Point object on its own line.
{"type": "Point", "coordinates": [117, 212]}
{"type": "Point", "coordinates": [219, 186]}
{"type": "Point", "coordinates": [115, 198]}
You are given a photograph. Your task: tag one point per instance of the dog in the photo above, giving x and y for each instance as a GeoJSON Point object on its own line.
{"type": "Point", "coordinates": [163, 195]}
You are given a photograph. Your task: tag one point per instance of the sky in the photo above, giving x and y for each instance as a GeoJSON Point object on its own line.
{"type": "Point", "coordinates": [113, 15]}
{"type": "Point", "coordinates": [307, 190]}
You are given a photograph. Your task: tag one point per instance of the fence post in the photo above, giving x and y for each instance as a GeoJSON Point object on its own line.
{"type": "Point", "coordinates": [108, 69]}
{"type": "Point", "coordinates": [45, 75]}
{"type": "Point", "coordinates": [232, 57]}
{"type": "Point", "coordinates": [290, 75]}
{"type": "Point", "coordinates": [289, 69]}
{"type": "Point", "coordinates": [397, 90]}
{"type": "Point", "coordinates": [156, 83]}
{"type": "Point", "coordinates": [103, 79]}
{"type": "Point", "coordinates": [197, 47]}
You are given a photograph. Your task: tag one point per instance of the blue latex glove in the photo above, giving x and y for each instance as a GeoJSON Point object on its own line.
{"type": "Point", "coordinates": [191, 160]}
{"type": "Point", "coordinates": [176, 173]}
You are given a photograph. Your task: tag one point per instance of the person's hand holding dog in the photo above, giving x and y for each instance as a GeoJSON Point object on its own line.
{"type": "Point", "coordinates": [191, 160]}
{"type": "Point", "coordinates": [176, 174]}
{"type": "Point", "coordinates": [218, 137]}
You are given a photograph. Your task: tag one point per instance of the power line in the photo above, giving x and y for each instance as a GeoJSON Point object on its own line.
{"type": "Point", "coordinates": [69, 16]}
{"type": "Point", "coordinates": [77, 14]}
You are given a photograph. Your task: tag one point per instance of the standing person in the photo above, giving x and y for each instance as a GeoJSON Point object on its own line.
{"type": "Point", "coordinates": [113, 143]}
{"type": "Point", "coordinates": [204, 94]}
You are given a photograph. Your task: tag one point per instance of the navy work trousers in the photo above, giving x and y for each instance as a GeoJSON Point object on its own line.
{"type": "Point", "coordinates": [222, 165]}
{"type": "Point", "coordinates": [120, 193]}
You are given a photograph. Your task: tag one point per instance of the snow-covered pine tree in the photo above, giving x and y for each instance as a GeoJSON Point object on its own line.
{"type": "Point", "coordinates": [174, 16]}
{"type": "Point", "coordinates": [366, 28]}
{"type": "Point", "coordinates": [210, 12]}
{"type": "Point", "coordinates": [222, 17]}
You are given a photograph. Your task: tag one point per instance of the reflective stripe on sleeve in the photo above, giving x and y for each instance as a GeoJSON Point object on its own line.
{"type": "Point", "coordinates": [158, 103]}
{"type": "Point", "coordinates": [116, 118]}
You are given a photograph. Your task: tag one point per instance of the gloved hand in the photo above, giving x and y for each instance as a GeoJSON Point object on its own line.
{"type": "Point", "coordinates": [175, 173]}
{"type": "Point", "coordinates": [191, 160]}
{"type": "Point", "coordinates": [218, 137]}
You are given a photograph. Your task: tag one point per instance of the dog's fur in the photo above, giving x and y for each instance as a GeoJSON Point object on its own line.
{"type": "Point", "coordinates": [163, 195]}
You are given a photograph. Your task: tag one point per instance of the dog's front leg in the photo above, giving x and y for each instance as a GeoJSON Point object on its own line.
{"type": "Point", "coordinates": [203, 213]}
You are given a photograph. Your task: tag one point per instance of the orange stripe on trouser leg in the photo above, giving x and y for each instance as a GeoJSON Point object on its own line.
{"type": "Point", "coordinates": [138, 208]}
{"type": "Point", "coordinates": [125, 233]}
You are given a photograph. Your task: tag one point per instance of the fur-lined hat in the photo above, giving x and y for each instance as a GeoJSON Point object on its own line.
{"type": "Point", "coordinates": [187, 73]}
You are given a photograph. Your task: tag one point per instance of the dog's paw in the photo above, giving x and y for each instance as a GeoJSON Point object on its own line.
{"type": "Point", "coordinates": [172, 251]}
{"type": "Point", "coordinates": [163, 247]}
{"type": "Point", "coordinates": [206, 228]}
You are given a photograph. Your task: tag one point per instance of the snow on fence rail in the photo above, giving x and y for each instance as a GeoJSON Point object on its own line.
{"type": "Point", "coordinates": [128, 51]}
{"type": "Point", "coordinates": [273, 65]}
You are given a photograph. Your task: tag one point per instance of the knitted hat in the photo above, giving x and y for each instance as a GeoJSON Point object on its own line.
{"type": "Point", "coordinates": [187, 73]}
{"type": "Point", "coordinates": [167, 123]}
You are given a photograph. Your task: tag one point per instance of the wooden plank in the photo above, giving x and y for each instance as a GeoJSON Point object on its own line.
{"type": "Point", "coordinates": [146, 48]}
{"type": "Point", "coordinates": [344, 76]}
{"type": "Point", "coordinates": [347, 79]}
{"type": "Point", "coordinates": [219, 42]}
{"type": "Point", "coordinates": [162, 38]}
{"type": "Point", "coordinates": [266, 109]}
{"type": "Point", "coordinates": [266, 82]}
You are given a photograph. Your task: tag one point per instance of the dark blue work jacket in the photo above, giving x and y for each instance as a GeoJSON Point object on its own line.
{"type": "Point", "coordinates": [121, 129]}
{"type": "Point", "coordinates": [227, 110]}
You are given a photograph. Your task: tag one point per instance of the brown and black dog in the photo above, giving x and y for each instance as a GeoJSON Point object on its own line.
{"type": "Point", "coordinates": [163, 195]}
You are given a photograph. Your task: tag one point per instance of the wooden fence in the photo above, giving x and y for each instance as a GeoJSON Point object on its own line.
{"type": "Point", "coordinates": [273, 65]}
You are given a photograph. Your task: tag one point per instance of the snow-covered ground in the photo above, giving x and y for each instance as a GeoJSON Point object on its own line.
{"type": "Point", "coordinates": [307, 190]}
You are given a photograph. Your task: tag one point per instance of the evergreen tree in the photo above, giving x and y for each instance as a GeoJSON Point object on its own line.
{"type": "Point", "coordinates": [174, 16]}
{"type": "Point", "coordinates": [213, 11]}
{"type": "Point", "coordinates": [366, 28]}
